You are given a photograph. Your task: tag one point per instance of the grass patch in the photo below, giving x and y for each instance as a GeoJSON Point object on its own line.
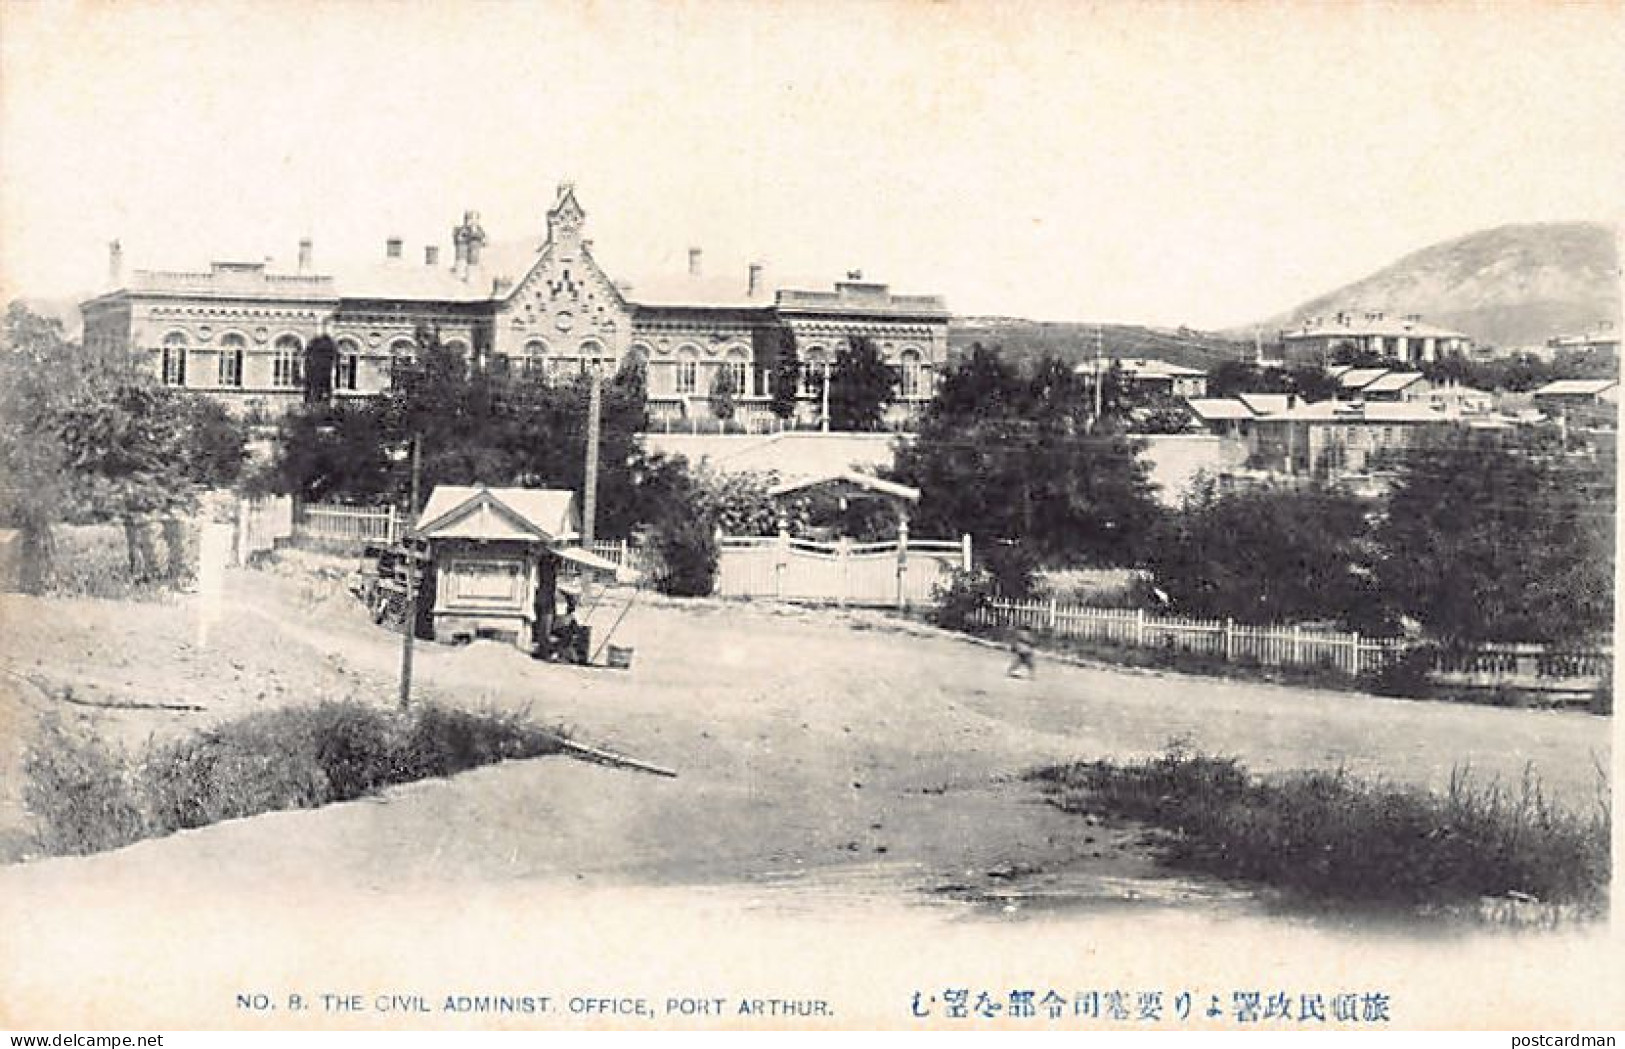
{"type": "Point", "coordinates": [87, 796]}
{"type": "Point", "coordinates": [1330, 837]}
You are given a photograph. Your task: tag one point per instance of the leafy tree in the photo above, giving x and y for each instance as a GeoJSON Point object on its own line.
{"type": "Point", "coordinates": [1270, 555]}
{"type": "Point", "coordinates": [91, 435]}
{"type": "Point", "coordinates": [778, 349]}
{"type": "Point", "coordinates": [723, 393]}
{"type": "Point", "coordinates": [1232, 378]}
{"type": "Point", "coordinates": [862, 386]}
{"type": "Point", "coordinates": [320, 357]}
{"type": "Point", "coordinates": [1009, 456]}
{"type": "Point", "coordinates": [1501, 539]}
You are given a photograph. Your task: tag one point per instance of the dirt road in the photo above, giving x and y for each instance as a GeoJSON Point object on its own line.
{"type": "Point", "coordinates": [847, 796]}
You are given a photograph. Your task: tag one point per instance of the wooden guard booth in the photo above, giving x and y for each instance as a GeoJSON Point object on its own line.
{"type": "Point", "coordinates": [496, 554]}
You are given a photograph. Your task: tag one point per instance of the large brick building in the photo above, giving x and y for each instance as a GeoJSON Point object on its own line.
{"type": "Point", "coordinates": [542, 305]}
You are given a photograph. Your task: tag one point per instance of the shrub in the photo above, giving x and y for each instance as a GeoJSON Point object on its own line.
{"type": "Point", "coordinates": [685, 555]}
{"type": "Point", "coordinates": [1405, 676]}
{"type": "Point", "coordinates": [1329, 836]}
{"type": "Point", "coordinates": [87, 796]}
{"type": "Point", "coordinates": [962, 598]}
{"type": "Point", "coordinates": [78, 788]}
{"type": "Point", "coordinates": [1014, 567]}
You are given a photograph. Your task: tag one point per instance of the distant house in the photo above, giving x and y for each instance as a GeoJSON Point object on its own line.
{"type": "Point", "coordinates": [1332, 439]}
{"type": "Point", "coordinates": [1406, 339]}
{"type": "Point", "coordinates": [1149, 375]}
{"type": "Point", "coordinates": [1585, 402]}
{"type": "Point", "coordinates": [1603, 338]}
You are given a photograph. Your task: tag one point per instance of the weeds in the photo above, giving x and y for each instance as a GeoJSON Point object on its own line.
{"type": "Point", "coordinates": [1328, 836]}
{"type": "Point", "coordinates": [87, 796]}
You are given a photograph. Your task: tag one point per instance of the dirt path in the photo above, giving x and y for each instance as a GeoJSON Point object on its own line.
{"type": "Point", "coordinates": [808, 745]}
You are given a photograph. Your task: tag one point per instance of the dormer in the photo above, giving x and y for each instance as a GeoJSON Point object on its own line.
{"type": "Point", "coordinates": [565, 220]}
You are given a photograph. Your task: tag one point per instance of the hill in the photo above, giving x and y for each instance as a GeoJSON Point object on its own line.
{"type": "Point", "coordinates": [1072, 342]}
{"type": "Point", "coordinates": [1508, 286]}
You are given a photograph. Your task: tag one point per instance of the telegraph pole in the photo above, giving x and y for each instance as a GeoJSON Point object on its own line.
{"type": "Point", "coordinates": [1100, 376]}
{"type": "Point", "coordinates": [589, 484]}
{"type": "Point", "coordinates": [410, 626]}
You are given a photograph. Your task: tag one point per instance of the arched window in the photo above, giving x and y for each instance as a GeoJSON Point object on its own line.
{"type": "Point", "coordinates": [232, 348]}
{"type": "Point", "coordinates": [403, 349]}
{"type": "Point", "coordinates": [174, 363]}
{"type": "Point", "coordinates": [458, 346]}
{"type": "Point", "coordinates": [534, 359]}
{"type": "Point", "coordinates": [288, 363]}
{"type": "Point", "coordinates": [913, 374]}
{"type": "Point", "coordinates": [346, 364]}
{"type": "Point", "coordinates": [688, 370]}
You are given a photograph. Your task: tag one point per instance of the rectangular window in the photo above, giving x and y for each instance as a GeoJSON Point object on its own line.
{"type": "Point", "coordinates": [688, 376]}
{"type": "Point", "coordinates": [739, 373]}
{"type": "Point", "coordinates": [231, 367]}
{"type": "Point", "coordinates": [346, 369]}
{"type": "Point", "coordinates": [285, 369]}
{"type": "Point", "coordinates": [174, 366]}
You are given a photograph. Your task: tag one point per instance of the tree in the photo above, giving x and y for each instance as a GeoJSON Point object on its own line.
{"type": "Point", "coordinates": [776, 345]}
{"type": "Point", "coordinates": [722, 394]}
{"type": "Point", "coordinates": [862, 386]}
{"type": "Point", "coordinates": [1501, 539]}
{"type": "Point", "coordinates": [1009, 456]}
{"type": "Point", "coordinates": [90, 435]}
{"type": "Point", "coordinates": [320, 357]}
{"type": "Point", "coordinates": [1270, 555]}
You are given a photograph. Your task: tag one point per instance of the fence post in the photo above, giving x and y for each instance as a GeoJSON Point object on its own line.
{"type": "Point", "coordinates": [1139, 627]}
{"type": "Point", "coordinates": [781, 559]}
{"type": "Point", "coordinates": [964, 552]}
{"type": "Point", "coordinates": [1052, 614]}
{"type": "Point", "coordinates": [902, 563]}
{"type": "Point", "coordinates": [1229, 640]}
{"type": "Point", "coordinates": [1297, 645]}
{"type": "Point", "coordinates": [625, 559]}
{"type": "Point", "coordinates": [841, 571]}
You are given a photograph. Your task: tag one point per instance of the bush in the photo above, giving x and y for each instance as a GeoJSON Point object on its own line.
{"type": "Point", "coordinates": [79, 791]}
{"type": "Point", "coordinates": [1329, 836]}
{"type": "Point", "coordinates": [685, 555]}
{"type": "Point", "coordinates": [1014, 566]}
{"type": "Point", "coordinates": [86, 796]}
{"type": "Point", "coordinates": [1405, 677]}
{"type": "Point", "coordinates": [962, 598]}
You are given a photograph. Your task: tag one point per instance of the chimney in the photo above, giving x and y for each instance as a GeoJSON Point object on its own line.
{"type": "Point", "coordinates": [693, 262]}
{"type": "Point", "coordinates": [392, 248]}
{"type": "Point", "coordinates": [431, 255]}
{"type": "Point", "coordinates": [467, 240]}
{"type": "Point", "coordinates": [755, 283]}
{"type": "Point", "coordinates": [115, 263]}
{"type": "Point", "coordinates": [304, 254]}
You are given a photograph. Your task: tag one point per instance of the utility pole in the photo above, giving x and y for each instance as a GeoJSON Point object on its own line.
{"type": "Point", "coordinates": [410, 626]}
{"type": "Point", "coordinates": [1100, 377]}
{"type": "Point", "coordinates": [589, 484]}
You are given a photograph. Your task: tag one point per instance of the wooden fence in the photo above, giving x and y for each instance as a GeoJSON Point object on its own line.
{"type": "Point", "coordinates": [1233, 642]}
{"type": "Point", "coordinates": [895, 574]}
{"type": "Point", "coordinates": [260, 523]}
{"type": "Point", "coordinates": [354, 524]}
{"type": "Point", "coordinates": [1489, 666]}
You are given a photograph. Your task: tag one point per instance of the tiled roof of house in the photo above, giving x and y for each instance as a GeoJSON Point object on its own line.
{"type": "Point", "coordinates": [1139, 368]}
{"type": "Point", "coordinates": [1355, 325]}
{"type": "Point", "coordinates": [1359, 378]}
{"type": "Point", "coordinates": [1219, 409]}
{"type": "Point", "coordinates": [1265, 403]}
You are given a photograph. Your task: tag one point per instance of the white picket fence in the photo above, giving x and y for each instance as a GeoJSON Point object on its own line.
{"type": "Point", "coordinates": [260, 523]}
{"type": "Point", "coordinates": [355, 524]}
{"type": "Point", "coordinates": [1349, 653]}
{"type": "Point", "coordinates": [893, 574]}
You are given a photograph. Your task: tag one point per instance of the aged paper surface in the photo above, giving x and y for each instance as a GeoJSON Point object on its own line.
{"type": "Point", "coordinates": [848, 841]}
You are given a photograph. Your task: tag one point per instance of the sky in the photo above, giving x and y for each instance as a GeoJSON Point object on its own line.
{"type": "Point", "coordinates": [1182, 163]}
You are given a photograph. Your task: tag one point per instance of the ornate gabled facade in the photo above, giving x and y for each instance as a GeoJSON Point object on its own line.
{"type": "Point", "coordinates": [240, 333]}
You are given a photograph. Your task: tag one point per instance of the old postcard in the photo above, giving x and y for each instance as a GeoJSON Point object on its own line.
{"type": "Point", "coordinates": [952, 516]}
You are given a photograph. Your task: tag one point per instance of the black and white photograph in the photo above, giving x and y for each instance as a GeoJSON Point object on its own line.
{"type": "Point", "coordinates": [780, 515]}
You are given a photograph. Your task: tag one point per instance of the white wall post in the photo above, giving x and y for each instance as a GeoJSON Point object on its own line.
{"type": "Point", "coordinates": [964, 552]}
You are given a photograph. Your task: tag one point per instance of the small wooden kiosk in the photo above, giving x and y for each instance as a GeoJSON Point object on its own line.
{"type": "Point", "coordinates": [496, 555]}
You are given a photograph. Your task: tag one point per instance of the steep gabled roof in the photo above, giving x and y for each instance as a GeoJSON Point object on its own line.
{"type": "Point", "coordinates": [546, 515]}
